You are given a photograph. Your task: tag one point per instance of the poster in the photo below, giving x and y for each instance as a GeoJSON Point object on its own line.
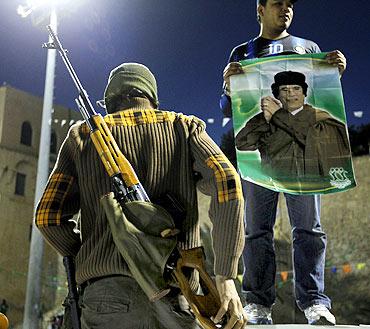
{"type": "Point", "coordinates": [290, 125]}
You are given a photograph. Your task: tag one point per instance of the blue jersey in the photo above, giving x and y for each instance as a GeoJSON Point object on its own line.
{"type": "Point", "coordinates": [261, 47]}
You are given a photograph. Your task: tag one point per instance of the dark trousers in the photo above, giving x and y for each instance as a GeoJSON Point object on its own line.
{"type": "Point", "coordinates": [309, 245]}
{"type": "Point", "coordinates": [118, 302]}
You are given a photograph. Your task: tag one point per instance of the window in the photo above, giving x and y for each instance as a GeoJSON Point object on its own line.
{"type": "Point", "coordinates": [20, 184]}
{"type": "Point", "coordinates": [26, 133]}
{"type": "Point", "coordinates": [30, 234]}
{"type": "Point", "coordinates": [53, 142]}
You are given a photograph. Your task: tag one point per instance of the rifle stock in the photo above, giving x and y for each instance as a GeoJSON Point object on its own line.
{"type": "Point", "coordinates": [72, 298]}
{"type": "Point", "coordinates": [204, 306]}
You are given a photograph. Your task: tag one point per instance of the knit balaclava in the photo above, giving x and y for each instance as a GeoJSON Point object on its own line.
{"type": "Point", "coordinates": [128, 77]}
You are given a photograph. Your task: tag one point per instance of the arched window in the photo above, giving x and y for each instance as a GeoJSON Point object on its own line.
{"type": "Point", "coordinates": [20, 184]}
{"type": "Point", "coordinates": [26, 133]}
{"type": "Point", "coordinates": [53, 142]}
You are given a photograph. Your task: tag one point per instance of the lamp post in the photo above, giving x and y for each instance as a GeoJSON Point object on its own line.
{"type": "Point", "coordinates": [32, 307]}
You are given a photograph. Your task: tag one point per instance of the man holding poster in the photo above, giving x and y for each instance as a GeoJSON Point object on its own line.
{"type": "Point", "coordinates": [309, 240]}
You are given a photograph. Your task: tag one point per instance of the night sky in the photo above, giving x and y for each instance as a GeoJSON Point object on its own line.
{"type": "Point", "coordinates": [185, 43]}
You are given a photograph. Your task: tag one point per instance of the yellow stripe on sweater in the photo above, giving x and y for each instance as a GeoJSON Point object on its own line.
{"type": "Point", "coordinates": [227, 179]}
{"type": "Point", "coordinates": [50, 207]}
{"type": "Point", "coordinates": [130, 118]}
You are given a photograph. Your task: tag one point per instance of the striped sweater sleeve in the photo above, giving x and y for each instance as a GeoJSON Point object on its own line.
{"type": "Point", "coordinates": [221, 181]}
{"type": "Point", "coordinates": [59, 202]}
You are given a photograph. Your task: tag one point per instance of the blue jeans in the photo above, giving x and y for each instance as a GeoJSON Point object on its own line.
{"type": "Point", "coordinates": [309, 245]}
{"type": "Point", "coordinates": [118, 302]}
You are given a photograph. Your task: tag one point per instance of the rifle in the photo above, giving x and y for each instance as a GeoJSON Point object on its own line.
{"type": "Point", "coordinates": [126, 189]}
{"type": "Point", "coordinates": [72, 298]}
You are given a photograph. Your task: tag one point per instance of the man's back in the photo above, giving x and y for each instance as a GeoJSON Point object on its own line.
{"type": "Point", "coordinates": [164, 148]}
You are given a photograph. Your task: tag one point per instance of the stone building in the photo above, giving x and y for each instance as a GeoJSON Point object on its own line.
{"type": "Point", "coordinates": [20, 125]}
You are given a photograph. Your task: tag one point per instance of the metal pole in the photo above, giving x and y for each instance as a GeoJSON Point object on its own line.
{"type": "Point", "coordinates": [32, 307]}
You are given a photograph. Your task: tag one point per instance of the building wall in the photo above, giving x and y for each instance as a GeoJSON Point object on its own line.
{"type": "Point", "coordinates": [2, 101]}
{"type": "Point", "coordinates": [16, 211]}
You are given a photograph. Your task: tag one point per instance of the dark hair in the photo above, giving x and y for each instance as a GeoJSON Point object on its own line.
{"type": "Point", "coordinates": [262, 3]}
{"type": "Point", "coordinates": [288, 78]}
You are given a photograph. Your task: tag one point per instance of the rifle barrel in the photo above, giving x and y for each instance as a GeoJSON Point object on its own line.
{"type": "Point", "coordinates": [113, 159]}
{"type": "Point", "coordinates": [82, 92]}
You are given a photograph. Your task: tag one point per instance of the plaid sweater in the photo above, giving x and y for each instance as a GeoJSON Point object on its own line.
{"type": "Point", "coordinates": [166, 149]}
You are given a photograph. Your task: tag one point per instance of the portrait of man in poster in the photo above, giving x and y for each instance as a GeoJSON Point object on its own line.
{"type": "Point", "coordinates": [300, 145]}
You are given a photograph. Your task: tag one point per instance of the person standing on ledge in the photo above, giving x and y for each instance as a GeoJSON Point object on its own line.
{"type": "Point", "coordinates": [170, 153]}
{"type": "Point", "coordinates": [309, 240]}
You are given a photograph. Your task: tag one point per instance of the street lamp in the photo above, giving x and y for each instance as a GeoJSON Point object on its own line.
{"type": "Point", "coordinates": [32, 307]}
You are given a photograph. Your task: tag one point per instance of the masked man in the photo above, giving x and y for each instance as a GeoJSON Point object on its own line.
{"type": "Point", "coordinates": [170, 153]}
